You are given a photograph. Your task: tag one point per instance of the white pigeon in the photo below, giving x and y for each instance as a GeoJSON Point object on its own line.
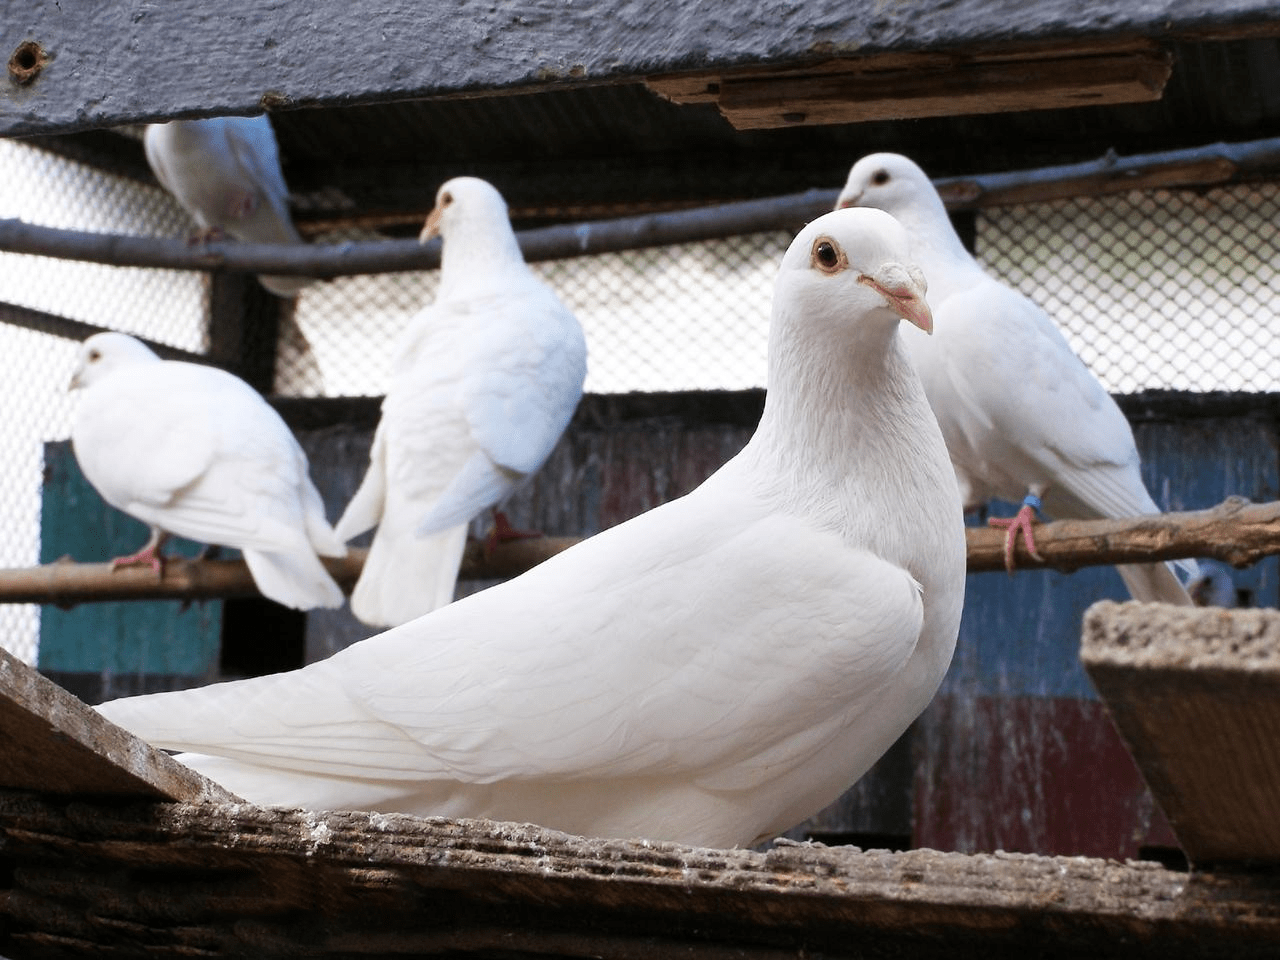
{"type": "Point", "coordinates": [484, 383]}
{"type": "Point", "coordinates": [1023, 417]}
{"type": "Point", "coordinates": [710, 672]}
{"type": "Point", "coordinates": [225, 172]}
{"type": "Point", "coordinates": [195, 451]}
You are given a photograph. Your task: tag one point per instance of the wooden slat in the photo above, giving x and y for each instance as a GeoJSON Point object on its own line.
{"type": "Point", "coordinates": [1195, 694]}
{"type": "Point", "coordinates": [184, 879]}
{"type": "Point", "coordinates": [53, 743]}
{"type": "Point", "coordinates": [856, 97]}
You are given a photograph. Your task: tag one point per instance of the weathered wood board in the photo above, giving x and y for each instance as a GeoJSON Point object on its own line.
{"type": "Point", "coordinates": [55, 744]}
{"type": "Point", "coordinates": [237, 880]}
{"type": "Point", "coordinates": [1196, 696]}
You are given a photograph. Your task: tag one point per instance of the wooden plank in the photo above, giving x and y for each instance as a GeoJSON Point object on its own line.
{"type": "Point", "coordinates": [1196, 696]}
{"type": "Point", "coordinates": [184, 879]}
{"type": "Point", "coordinates": [863, 93]}
{"type": "Point", "coordinates": [54, 744]}
{"type": "Point", "coordinates": [108, 64]}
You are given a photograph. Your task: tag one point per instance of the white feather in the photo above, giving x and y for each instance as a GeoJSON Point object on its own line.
{"type": "Point", "coordinates": [225, 172]}
{"type": "Point", "coordinates": [195, 451]}
{"type": "Point", "coordinates": [709, 672]}
{"type": "Point", "coordinates": [1018, 409]}
{"type": "Point", "coordinates": [485, 382]}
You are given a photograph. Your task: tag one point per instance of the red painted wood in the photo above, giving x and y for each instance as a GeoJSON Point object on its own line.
{"type": "Point", "coordinates": [1030, 775]}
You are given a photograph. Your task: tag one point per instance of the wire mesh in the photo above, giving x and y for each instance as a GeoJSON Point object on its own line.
{"type": "Point", "coordinates": [1164, 289]}
{"type": "Point", "coordinates": [166, 306]}
{"type": "Point", "coordinates": [1157, 290]}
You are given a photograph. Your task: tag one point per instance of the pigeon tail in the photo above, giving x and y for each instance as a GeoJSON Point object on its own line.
{"type": "Point", "coordinates": [298, 579]}
{"type": "Point", "coordinates": [406, 575]}
{"type": "Point", "coordinates": [1154, 583]}
{"type": "Point", "coordinates": [286, 287]}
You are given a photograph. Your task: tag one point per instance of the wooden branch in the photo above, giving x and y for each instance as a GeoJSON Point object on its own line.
{"type": "Point", "coordinates": [1236, 532]}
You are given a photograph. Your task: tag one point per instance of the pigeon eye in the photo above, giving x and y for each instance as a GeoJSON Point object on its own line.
{"type": "Point", "coordinates": [826, 256]}
{"type": "Point", "coordinates": [446, 199]}
{"type": "Point", "coordinates": [95, 356]}
{"type": "Point", "coordinates": [880, 178]}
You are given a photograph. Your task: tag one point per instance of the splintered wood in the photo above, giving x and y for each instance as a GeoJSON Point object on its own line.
{"type": "Point", "coordinates": [1195, 694]}
{"type": "Point", "coordinates": [54, 743]}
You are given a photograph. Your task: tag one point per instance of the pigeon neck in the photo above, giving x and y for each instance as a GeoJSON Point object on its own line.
{"type": "Point", "coordinates": [477, 257]}
{"type": "Point", "coordinates": [837, 401]}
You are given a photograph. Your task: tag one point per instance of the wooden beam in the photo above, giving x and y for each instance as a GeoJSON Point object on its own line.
{"type": "Point", "coordinates": [933, 86]}
{"type": "Point", "coordinates": [55, 744]}
{"type": "Point", "coordinates": [1195, 694]}
{"type": "Point", "coordinates": [208, 879]}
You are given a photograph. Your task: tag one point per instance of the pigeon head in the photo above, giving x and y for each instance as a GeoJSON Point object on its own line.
{"type": "Point", "coordinates": [893, 183]}
{"type": "Point", "coordinates": [461, 203]}
{"type": "Point", "coordinates": [855, 262]}
{"type": "Point", "coordinates": [104, 353]}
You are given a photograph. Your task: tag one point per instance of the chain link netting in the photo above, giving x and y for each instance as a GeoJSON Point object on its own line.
{"type": "Point", "coordinates": [1155, 290]}
{"type": "Point", "coordinates": [1164, 289]}
{"type": "Point", "coordinates": [166, 306]}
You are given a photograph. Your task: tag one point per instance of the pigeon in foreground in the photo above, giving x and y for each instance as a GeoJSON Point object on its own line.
{"type": "Point", "coordinates": [1023, 417]}
{"type": "Point", "coordinates": [485, 381]}
{"type": "Point", "coordinates": [195, 451]}
{"type": "Point", "coordinates": [710, 672]}
{"type": "Point", "coordinates": [225, 172]}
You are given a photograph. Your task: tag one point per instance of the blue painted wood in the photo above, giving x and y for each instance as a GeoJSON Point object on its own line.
{"type": "Point", "coordinates": [1020, 635]}
{"type": "Point", "coordinates": [153, 637]}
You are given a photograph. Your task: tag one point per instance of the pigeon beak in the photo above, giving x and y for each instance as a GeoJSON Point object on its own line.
{"type": "Point", "coordinates": [75, 381]}
{"type": "Point", "coordinates": [848, 201]}
{"type": "Point", "coordinates": [431, 228]}
{"type": "Point", "coordinates": [904, 291]}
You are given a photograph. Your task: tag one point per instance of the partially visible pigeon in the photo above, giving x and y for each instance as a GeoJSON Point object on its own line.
{"type": "Point", "coordinates": [710, 672]}
{"type": "Point", "coordinates": [225, 172]}
{"type": "Point", "coordinates": [194, 451]}
{"type": "Point", "coordinates": [484, 383]}
{"type": "Point", "coordinates": [1023, 418]}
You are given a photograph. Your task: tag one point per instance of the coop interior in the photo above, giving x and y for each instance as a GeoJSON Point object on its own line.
{"type": "Point", "coordinates": [1120, 167]}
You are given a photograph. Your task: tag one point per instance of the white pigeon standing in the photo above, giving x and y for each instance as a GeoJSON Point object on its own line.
{"type": "Point", "coordinates": [1023, 417]}
{"type": "Point", "coordinates": [484, 383]}
{"type": "Point", "coordinates": [195, 451]}
{"type": "Point", "coordinates": [710, 672]}
{"type": "Point", "coordinates": [225, 172]}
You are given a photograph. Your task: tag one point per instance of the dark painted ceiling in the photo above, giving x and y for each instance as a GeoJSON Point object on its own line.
{"type": "Point", "coordinates": [593, 151]}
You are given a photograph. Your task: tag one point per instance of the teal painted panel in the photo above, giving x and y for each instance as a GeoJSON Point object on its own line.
{"type": "Point", "coordinates": [120, 638]}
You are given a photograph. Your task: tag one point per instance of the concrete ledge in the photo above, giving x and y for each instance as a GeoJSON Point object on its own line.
{"type": "Point", "coordinates": [1195, 694]}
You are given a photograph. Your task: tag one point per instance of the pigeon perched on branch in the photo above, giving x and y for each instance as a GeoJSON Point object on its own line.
{"type": "Point", "coordinates": [484, 383]}
{"type": "Point", "coordinates": [225, 172]}
{"type": "Point", "coordinates": [710, 672]}
{"type": "Point", "coordinates": [195, 451]}
{"type": "Point", "coordinates": [1023, 417]}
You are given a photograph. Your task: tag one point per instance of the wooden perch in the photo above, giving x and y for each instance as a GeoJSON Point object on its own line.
{"type": "Point", "coordinates": [1236, 532]}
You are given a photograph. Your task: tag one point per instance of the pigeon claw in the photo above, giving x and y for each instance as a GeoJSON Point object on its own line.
{"type": "Point", "coordinates": [1021, 522]}
{"type": "Point", "coordinates": [148, 556]}
{"type": "Point", "coordinates": [503, 531]}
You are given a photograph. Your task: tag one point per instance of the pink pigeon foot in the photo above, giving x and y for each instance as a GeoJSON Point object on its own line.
{"type": "Point", "coordinates": [149, 556]}
{"type": "Point", "coordinates": [503, 531]}
{"type": "Point", "coordinates": [203, 235]}
{"type": "Point", "coordinates": [1021, 522]}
